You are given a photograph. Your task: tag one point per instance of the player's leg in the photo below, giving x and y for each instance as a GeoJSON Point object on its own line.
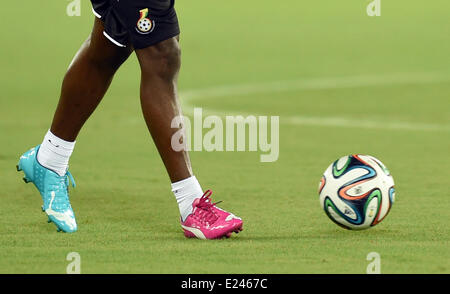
{"type": "Point", "coordinates": [86, 82]}
{"type": "Point", "coordinates": [154, 33]}
{"type": "Point", "coordinates": [160, 64]}
{"type": "Point", "coordinates": [84, 85]}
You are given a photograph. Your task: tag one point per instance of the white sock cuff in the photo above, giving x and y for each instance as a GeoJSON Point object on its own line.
{"type": "Point", "coordinates": [54, 153]}
{"type": "Point", "coordinates": [57, 144]}
{"type": "Point", "coordinates": [189, 182]}
{"type": "Point", "coordinates": [186, 191]}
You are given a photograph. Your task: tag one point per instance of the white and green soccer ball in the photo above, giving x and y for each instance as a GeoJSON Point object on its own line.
{"type": "Point", "coordinates": [357, 191]}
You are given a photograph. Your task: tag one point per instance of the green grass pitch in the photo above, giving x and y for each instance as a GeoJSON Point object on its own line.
{"type": "Point", "coordinates": [347, 83]}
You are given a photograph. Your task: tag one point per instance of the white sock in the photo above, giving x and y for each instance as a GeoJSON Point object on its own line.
{"type": "Point", "coordinates": [186, 191]}
{"type": "Point", "coordinates": [54, 153]}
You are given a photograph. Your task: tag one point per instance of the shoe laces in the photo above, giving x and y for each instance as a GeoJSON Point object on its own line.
{"type": "Point", "coordinates": [69, 178]}
{"type": "Point", "coordinates": [65, 181]}
{"type": "Point", "coordinates": [205, 212]}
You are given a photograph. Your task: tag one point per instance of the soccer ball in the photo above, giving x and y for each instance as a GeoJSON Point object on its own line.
{"type": "Point", "coordinates": [357, 192]}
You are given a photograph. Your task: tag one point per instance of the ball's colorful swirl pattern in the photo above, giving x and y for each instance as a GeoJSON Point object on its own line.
{"type": "Point", "coordinates": [359, 204]}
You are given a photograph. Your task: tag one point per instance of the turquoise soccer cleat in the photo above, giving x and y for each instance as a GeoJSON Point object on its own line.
{"type": "Point", "coordinates": [53, 188]}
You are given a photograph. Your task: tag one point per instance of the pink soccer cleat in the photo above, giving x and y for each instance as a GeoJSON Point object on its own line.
{"type": "Point", "coordinates": [207, 221]}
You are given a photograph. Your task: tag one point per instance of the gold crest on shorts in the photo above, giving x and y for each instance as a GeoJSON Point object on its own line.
{"type": "Point", "coordinates": [144, 25]}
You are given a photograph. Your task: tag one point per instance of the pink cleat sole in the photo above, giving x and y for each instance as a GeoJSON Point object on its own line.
{"type": "Point", "coordinates": [237, 230]}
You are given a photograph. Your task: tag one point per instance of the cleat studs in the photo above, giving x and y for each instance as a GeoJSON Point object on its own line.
{"type": "Point", "coordinates": [18, 168]}
{"type": "Point", "coordinates": [26, 180]}
{"type": "Point", "coordinates": [58, 230]}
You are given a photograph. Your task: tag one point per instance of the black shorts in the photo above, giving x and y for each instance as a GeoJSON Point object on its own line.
{"type": "Point", "coordinates": [141, 23]}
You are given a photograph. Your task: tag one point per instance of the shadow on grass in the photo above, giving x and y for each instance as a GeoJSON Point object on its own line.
{"type": "Point", "coordinates": [326, 234]}
{"type": "Point", "coordinates": [170, 234]}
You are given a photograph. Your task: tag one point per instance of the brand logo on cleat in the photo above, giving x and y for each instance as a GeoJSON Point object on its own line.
{"type": "Point", "coordinates": [25, 156]}
{"type": "Point", "coordinates": [230, 217]}
{"type": "Point", "coordinates": [65, 217]}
